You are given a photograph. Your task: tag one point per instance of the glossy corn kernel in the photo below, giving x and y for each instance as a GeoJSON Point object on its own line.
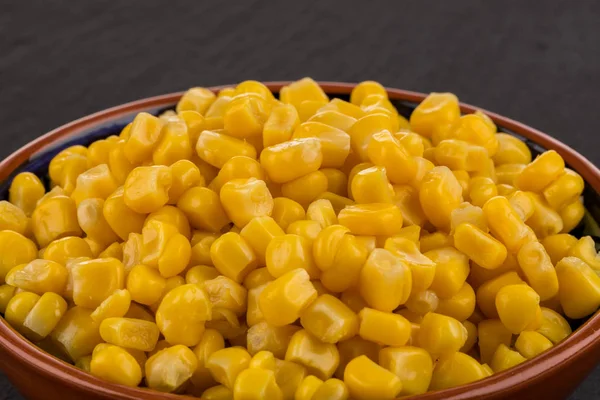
{"type": "Point", "coordinates": [115, 306]}
{"type": "Point", "coordinates": [460, 155]}
{"type": "Point", "coordinates": [43, 316]}
{"type": "Point", "coordinates": [119, 164]}
{"type": "Point", "coordinates": [320, 359]}
{"type": "Point", "coordinates": [505, 223]}
{"type": "Point", "coordinates": [92, 221]}
{"type": "Point", "coordinates": [67, 165]}
{"type": "Point", "coordinates": [144, 135]}
{"type": "Point", "coordinates": [211, 341]}
{"type": "Point", "coordinates": [258, 277]}
{"type": "Point", "coordinates": [491, 333]}
{"type": "Point", "coordinates": [259, 232]}
{"type": "Point", "coordinates": [571, 215]}
{"type": "Point", "coordinates": [579, 287]}
{"type": "Point", "coordinates": [472, 337]}
{"type": "Point", "coordinates": [329, 320]}
{"type": "Point", "coordinates": [479, 246]}
{"type": "Point", "coordinates": [518, 307]}
{"type": "Point", "coordinates": [256, 383]}
{"type": "Point", "coordinates": [203, 209]}
{"type": "Point", "coordinates": [468, 213]}
{"type": "Point", "coordinates": [333, 118]}
{"type": "Point", "coordinates": [196, 99]}
{"type": "Point", "coordinates": [245, 116]}
{"type": "Point", "coordinates": [478, 129]}
{"type": "Point", "coordinates": [76, 334]}
{"type": "Point", "coordinates": [38, 276]}
{"type": "Point", "coordinates": [18, 308]}
{"type": "Point", "coordinates": [365, 379]}
{"type": "Point", "coordinates": [478, 275]}
{"type": "Point", "coordinates": [456, 369]}
{"type": "Point", "coordinates": [511, 150]}
{"type": "Point", "coordinates": [185, 175]}
{"type": "Point", "coordinates": [541, 172]}
{"type": "Point", "coordinates": [291, 160]}
{"type": "Point", "coordinates": [182, 313]}
{"type": "Point", "coordinates": [116, 365]}
{"type": "Point", "coordinates": [145, 284]}
{"type": "Point", "coordinates": [263, 336]}
{"type": "Point", "coordinates": [335, 143]}
{"type": "Point", "coordinates": [15, 249]}
{"type": "Point", "coordinates": [129, 333]}
{"type": "Point", "coordinates": [440, 194]}
{"type": "Point", "coordinates": [349, 258]}
{"type": "Point", "coordinates": [377, 219]}
{"type": "Point", "coordinates": [280, 125]}
{"type": "Point", "coordinates": [288, 252]}
{"type": "Point", "coordinates": [302, 90]}
{"type": "Point", "coordinates": [351, 348]}
{"type": "Point", "coordinates": [422, 301]}
{"type": "Point", "coordinates": [440, 334]}
{"type": "Point", "coordinates": [385, 281]}
{"type": "Point", "coordinates": [146, 188]}
{"type": "Point", "coordinates": [326, 245]}
{"type": "Point", "coordinates": [522, 202]}
{"type": "Point", "coordinates": [25, 191]}
{"type": "Point", "coordinates": [244, 199]}
{"type": "Point", "coordinates": [12, 218]}
{"type": "Point", "coordinates": [412, 365]}
{"type": "Point", "coordinates": [505, 358]}
{"type": "Point", "coordinates": [98, 151]}
{"type": "Point", "coordinates": [284, 299]}
{"type": "Point", "coordinates": [238, 167]}
{"type": "Point", "coordinates": [94, 280]}
{"type": "Point", "coordinates": [306, 188]}
{"type": "Point", "coordinates": [507, 173]}
{"type": "Point", "coordinates": [365, 89]}
{"type": "Point", "coordinates": [322, 211]}
{"type": "Point", "coordinates": [422, 268]}
{"type": "Point", "coordinates": [481, 189]}
{"type": "Point", "coordinates": [263, 360]}
{"type": "Point", "coordinates": [170, 369]}
{"type": "Point", "coordinates": [286, 211]}
{"type": "Point", "coordinates": [61, 250]}
{"type": "Point", "coordinates": [233, 256]}
{"type": "Point", "coordinates": [54, 218]}
{"type": "Point", "coordinates": [384, 328]}
{"type": "Point", "coordinates": [437, 113]}
{"type": "Point", "coordinates": [121, 219]}
{"type": "Point", "coordinates": [217, 148]}
{"type": "Point", "coordinates": [97, 182]}
{"type": "Point", "coordinates": [554, 326]}
{"type": "Point", "coordinates": [544, 220]}
{"type": "Point", "coordinates": [226, 364]}
{"type": "Point", "coordinates": [460, 306]}
{"type": "Point", "coordinates": [225, 293]}
{"type": "Point", "coordinates": [585, 249]}
{"type": "Point", "coordinates": [538, 269]}
{"type": "Point", "coordinates": [531, 344]}
{"type": "Point", "coordinates": [371, 185]}
{"type": "Point", "coordinates": [451, 271]}
{"type": "Point", "coordinates": [486, 293]}
{"type": "Point", "coordinates": [386, 151]}
{"type": "Point", "coordinates": [7, 292]}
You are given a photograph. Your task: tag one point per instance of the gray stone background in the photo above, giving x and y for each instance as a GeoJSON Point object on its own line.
{"type": "Point", "coordinates": [535, 61]}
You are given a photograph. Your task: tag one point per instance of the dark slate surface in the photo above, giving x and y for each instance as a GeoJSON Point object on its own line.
{"type": "Point", "coordinates": [537, 62]}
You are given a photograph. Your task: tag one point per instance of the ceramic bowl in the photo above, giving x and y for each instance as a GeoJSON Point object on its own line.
{"type": "Point", "coordinates": [552, 375]}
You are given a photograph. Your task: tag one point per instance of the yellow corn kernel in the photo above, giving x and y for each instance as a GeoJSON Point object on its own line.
{"type": "Point", "coordinates": [544, 220]}
{"type": "Point", "coordinates": [541, 172]}
{"type": "Point", "coordinates": [308, 108]}
{"type": "Point", "coordinates": [507, 173]}
{"type": "Point", "coordinates": [244, 199]}
{"type": "Point", "coordinates": [12, 218]}
{"type": "Point", "coordinates": [233, 256]}
{"type": "Point", "coordinates": [258, 277]}
{"type": "Point", "coordinates": [256, 383]}
{"type": "Point", "coordinates": [132, 251]}
{"type": "Point", "coordinates": [336, 118]}
{"type": "Point", "coordinates": [522, 202]}
{"type": "Point", "coordinates": [578, 289]}
{"type": "Point", "coordinates": [218, 392]}
{"type": "Point", "coordinates": [349, 258]}
{"type": "Point", "coordinates": [226, 294]}
{"type": "Point", "coordinates": [289, 252]}
{"type": "Point", "coordinates": [365, 379]}
{"type": "Point", "coordinates": [538, 269]}
{"type": "Point", "coordinates": [238, 167]}
{"type": "Point", "coordinates": [61, 250]}
{"type": "Point", "coordinates": [92, 221]}
{"type": "Point", "coordinates": [43, 316]}
{"type": "Point", "coordinates": [479, 246]}
{"type": "Point", "coordinates": [384, 328]}
{"type": "Point", "coordinates": [116, 365]}
{"type": "Point", "coordinates": [226, 364]}
{"type": "Point", "coordinates": [145, 284]}
{"type": "Point", "coordinates": [18, 309]}
{"type": "Point", "coordinates": [94, 280]}
{"type": "Point", "coordinates": [138, 312]}
{"type": "Point", "coordinates": [99, 150]}
{"type": "Point", "coordinates": [353, 172]}
{"type": "Point", "coordinates": [217, 148]}
{"type": "Point", "coordinates": [26, 189]}
{"type": "Point", "coordinates": [372, 186]}
{"type": "Point", "coordinates": [77, 334]}
{"type": "Point", "coordinates": [66, 166]}
{"type": "Point", "coordinates": [96, 182]}
{"type": "Point", "coordinates": [284, 299]}
{"type": "Point", "coordinates": [437, 113]}
{"type": "Point", "coordinates": [155, 236]}
{"type": "Point", "coordinates": [460, 306]}
{"type": "Point", "coordinates": [120, 217]}
{"type": "Point", "coordinates": [440, 334]}
{"type": "Point", "coordinates": [289, 376]}
{"type": "Point", "coordinates": [170, 369]}
{"type": "Point", "coordinates": [364, 89]}
{"type": "Point", "coordinates": [531, 344]}
{"type": "Point", "coordinates": [486, 293]}
{"type": "Point", "coordinates": [322, 211]}
{"type": "Point", "coordinates": [463, 179]}
{"type": "Point", "coordinates": [471, 336]}
{"type": "Point", "coordinates": [201, 249]}
{"type": "Point", "coordinates": [119, 164]}
{"type": "Point", "coordinates": [376, 219]}
{"type": "Point", "coordinates": [182, 313]}
{"type": "Point", "coordinates": [505, 223]}
{"type": "Point", "coordinates": [185, 175]}
{"type": "Point", "coordinates": [253, 313]}
{"type": "Point", "coordinates": [200, 274]}
{"type": "Point", "coordinates": [440, 194]}
{"type": "Point", "coordinates": [505, 358]}
{"type": "Point", "coordinates": [306, 188]}
{"type": "Point", "coordinates": [423, 167]}
{"type": "Point", "coordinates": [115, 306]}
{"type": "Point", "coordinates": [7, 292]}
{"type": "Point", "coordinates": [554, 326]}
{"type": "Point", "coordinates": [84, 363]}
{"type": "Point", "coordinates": [585, 249]}
{"type": "Point", "coordinates": [335, 143]}
{"type": "Point", "coordinates": [412, 142]}
{"type": "Point", "coordinates": [211, 341]}
{"type": "Point", "coordinates": [320, 359]}
{"type": "Point", "coordinates": [203, 209]}
{"type": "Point", "coordinates": [144, 135]}
{"type": "Point", "coordinates": [291, 160]}
{"type": "Point", "coordinates": [386, 151]}
{"type": "Point", "coordinates": [175, 257]}
{"type": "Point", "coordinates": [326, 245]}
{"type": "Point", "coordinates": [456, 369]}
{"type": "Point", "coordinates": [481, 189]}
{"type": "Point", "coordinates": [329, 320]}
{"type": "Point", "coordinates": [286, 211]}
{"type": "Point", "coordinates": [571, 215]}
{"type": "Point", "coordinates": [511, 150]}
{"type": "Point", "coordinates": [302, 90]}
{"type": "Point", "coordinates": [385, 281]}
{"type": "Point", "coordinates": [344, 108]}
{"type": "Point", "coordinates": [15, 249]}
{"type": "Point", "coordinates": [478, 275]}
{"type": "Point", "coordinates": [171, 215]}
{"type": "Point", "coordinates": [412, 365]}
{"type": "Point", "coordinates": [54, 218]}
{"type": "Point", "coordinates": [38, 276]}
{"type": "Point", "coordinates": [460, 155]}
{"type": "Point", "coordinates": [505, 190]}
{"type": "Point", "coordinates": [196, 99]}
{"type": "Point", "coordinates": [451, 271]}
{"type": "Point", "coordinates": [146, 188]}
{"type": "Point", "coordinates": [351, 348]}
{"type": "Point", "coordinates": [468, 213]}
{"type": "Point", "coordinates": [245, 115]}
{"type": "Point", "coordinates": [333, 389]}
{"type": "Point", "coordinates": [422, 301]}
{"type": "Point", "coordinates": [130, 333]}
{"type": "Point", "coordinates": [280, 125]}
{"type": "Point", "coordinates": [477, 129]}
{"type": "Point", "coordinates": [422, 268]}
{"type": "Point", "coordinates": [259, 232]}
{"type": "Point", "coordinates": [518, 307]}
{"type": "Point", "coordinates": [275, 339]}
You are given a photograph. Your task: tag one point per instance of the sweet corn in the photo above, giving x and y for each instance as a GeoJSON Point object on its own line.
{"type": "Point", "coordinates": [376, 219]}
{"type": "Point", "coordinates": [306, 188]}
{"type": "Point", "coordinates": [440, 194]}
{"type": "Point", "coordinates": [244, 199]}
{"type": "Point", "coordinates": [422, 268]}
{"type": "Point", "coordinates": [518, 307]}
{"type": "Point", "coordinates": [94, 280]}
{"type": "Point", "coordinates": [384, 328]}
{"type": "Point", "coordinates": [486, 293]}
{"type": "Point", "coordinates": [541, 172]}
{"type": "Point", "coordinates": [15, 249]}
{"type": "Point", "coordinates": [585, 249]}
{"type": "Point", "coordinates": [472, 337]}
{"type": "Point", "coordinates": [553, 326]}
{"type": "Point", "coordinates": [478, 129]}
{"type": "Point", "coordinates": [522, 202]}
{"type": "Point", "coordinates": [233, 256]}
{"type": "Point", "coordinates": [203, 208]}
{"type": "Point", "coordinates": [216, 148]}
{"type": "Point", "coordinates": [196, 99]}
{"type": "Point", "coordinates": [286, 211]}
{"type": "Point", "coordinates": [288, 252]}
{"type": "Point", "coordinates": [349, 258]}
{"type": "Point", "coordinates": [7, 292]}
{"type": "Point", "coordinates": [291, 160]}
{"type": "Point", "coordinates": [507, 173]}
{"type": "Point", "coordinates": [54, 218]}
{"type": "Point", "coordinates": [144, 135]}
{"type": "Point", "coordinates": [456, 369]}
{"type": "Point", "coordinates": [182, 313]}
{"type": "Point", "coordinates": [544, 220]}
{"type": "Point", "coordinates": [226, 364]}
{"type": "Point", "coordinates": [25, 191]}
{"type": "Point", "coordinates": [115, 306]}
{"type": "Point", "coordinates": [461, 155]}
{"type": "Point", "coordinates": [479, 246]}
{"type": "Point", "coordinates": [258, 277]}
{"type": "Point", "coordinates": [452, 269]}
{"type": "Point", "coordinates": [505, 358]}
{"type": "Point", "coordinates": [386, 151]}
{"type": "Point", "coordinates": [320, 359]}
{"type": "Point", "coordinates": [460, 306]}
{"type": "Point", "coordinates": [130, 333]}
{"type": "Point", "coordinates": [468, 213]}
{"type": "Point", "coordinates": [481, 189]}
{"type": "Point", "coordinates": [511, 150]}
{"type": "Point", "coordinates": [145, 284]}
{"type": "Point", "coordinates": [440, 334]}
{"type": "Point", "coordinates": [571, 215]}
{"type": "Point", "coordinates": [38, 276]}
{"type": "Point", "coordinates": [538, 269]}
{"type": "Point", "coordinates": [211, 341]}
{"type": "Point", "coordinates": [330, 320]}
{"type": "Point", "coordinates": [76, 333]}
{"type": "Point", "coordinates": [116, 365]}
{"type": "Point", "coordinates": [170, 369]}
{"type": "Point", "coordinates": [505, 224]}
{"type": "Point", "coordinates": [365, 379]}
{"type": "Point", "coordinates": [531, 344]}
{"type": "Point", "coordinates": [185, 175]}
{"type": "Point", "coordinates": [578, 287]}
{"type": "Point", "coordinates": [371, 185]}
{"type": "Point", "coordinates": [256, 383]}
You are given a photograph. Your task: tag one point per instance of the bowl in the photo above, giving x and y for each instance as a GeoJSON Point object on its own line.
{"type": "Point", "coordinates": [552, 375]}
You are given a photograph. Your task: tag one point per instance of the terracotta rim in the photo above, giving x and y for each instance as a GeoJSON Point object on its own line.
{"type": "Point", "coordinates": [527, 373]}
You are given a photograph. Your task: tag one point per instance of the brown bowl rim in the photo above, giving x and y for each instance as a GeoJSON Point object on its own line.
{"type": "Point", "coordinates": [529, 372]}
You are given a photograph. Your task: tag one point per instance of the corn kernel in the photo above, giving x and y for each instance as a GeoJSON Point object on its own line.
{"type": "Point", "coordinates": [288, 252]}
{"type": "Point", "coordinates": [386, 151]}
{"type": "Point", "coordinates": [306, 188]}
{"type": "Point", "coordinates": [25, 191]}
{"type": "Point", "coordinates": [518, 307]}
{"type": "Point", "coordinates": [456, 369]}
{"type": "Point", "coordinates": [284, 299]}
{"type": "Point", "coordinates": [511, 150]}
{"type": "Point", "coordinates": [116, 365]}
{"type": "Point", "coordinates": [385, 281]}
{"type": "Point", "coordinates": [541, 172]}
{"type": "Point", "coordinates": [77, 334]}
{"type": "Point", "coordinates": [130, 333]}
{"type": "Point", "coordinates": [291, 160]}
{"type": "Point", "coordinates": [578, 287]}
{"type": "Point", "coordinates": [15, 249]}
{"type": "Point", "coordinates": [320, 359]}
{"type": "Point", "coordinates": [412, 365]}
{"type": "Point", "coordinates": [170, 369]}
{"type": "Point", "coordinates": [440, 194]}
{"type": "Point", "coordinates": [367, 380]}
{"type": "Point", "coordinates": [553, 326]}
{"type": "Point", "coordinates": [440, 334]}
{"type": "Point", "coordinates": [505, 358]}
{"type": "Point", "coordinates": [286, 211]}
{"type": "Point", "coordinates": [54, 218]}
{"type": "Point", "coordinates": [203, 208]}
